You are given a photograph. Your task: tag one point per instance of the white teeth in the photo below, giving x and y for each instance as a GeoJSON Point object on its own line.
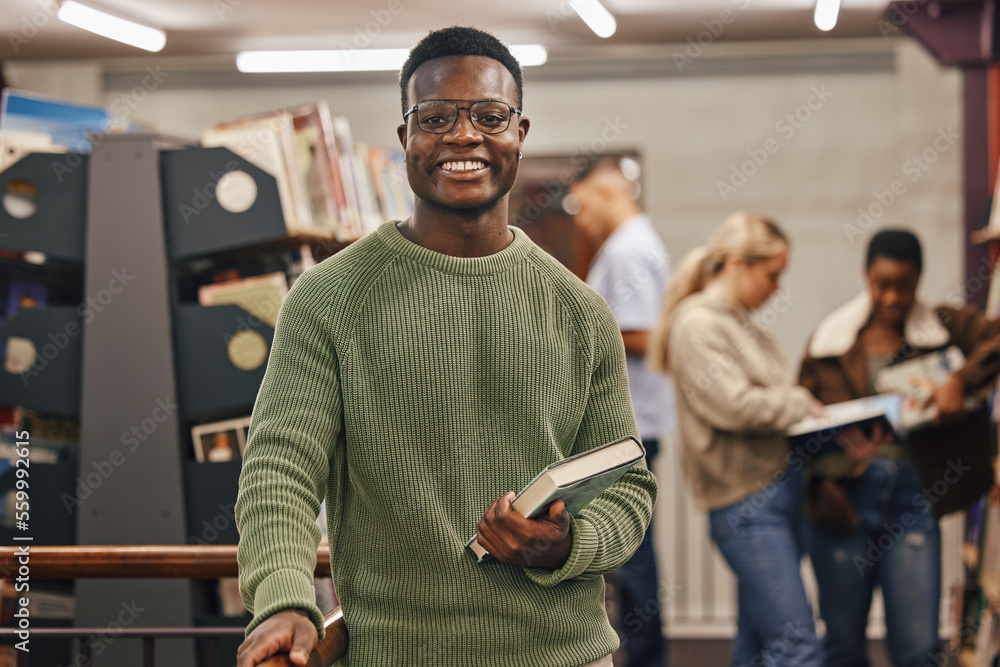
{"type": "Point", "coordinates": [467, 165]}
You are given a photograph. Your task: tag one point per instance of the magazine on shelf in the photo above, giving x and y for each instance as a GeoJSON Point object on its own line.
{"type": "Point", "coordinates": [268, 141]}
{"type": "Point", "coordinates": [220, 441]}
{"type": "Point", "coordinates": [261, 296]}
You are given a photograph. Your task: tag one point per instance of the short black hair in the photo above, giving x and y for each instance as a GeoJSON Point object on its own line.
{"type": "Point", "coordinates": [459, 41]}
{"type": "Point", "coordinates": [899, 244]}
{"type": "Point", "coordinates": [594, 164]}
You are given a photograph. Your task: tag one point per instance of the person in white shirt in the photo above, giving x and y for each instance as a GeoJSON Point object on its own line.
{"type": "Point", "coordinates": [630, 270]}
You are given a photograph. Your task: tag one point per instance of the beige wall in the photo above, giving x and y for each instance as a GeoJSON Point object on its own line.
{"type": "Point", "coordinates": [691, 130]}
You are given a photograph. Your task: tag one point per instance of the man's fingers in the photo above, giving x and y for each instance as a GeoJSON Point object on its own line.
{"type": "Point", "coordinates": [301, 648]}
{"type": "Point", "coordinates": [500, 506]}
{"type": "Point", "coordinates": [558, 514]}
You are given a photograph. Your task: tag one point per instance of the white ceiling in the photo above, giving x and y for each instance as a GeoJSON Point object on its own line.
{"type": "Point", "coordinates": [220, 28]}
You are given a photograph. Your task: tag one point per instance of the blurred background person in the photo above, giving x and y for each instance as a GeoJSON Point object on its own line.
{"type": "Point", "coordinates": [735, 398]}
{"type": "Point", "coordinates": [875, 491]}
{"type": "Point", "coordinates": [630, 270]}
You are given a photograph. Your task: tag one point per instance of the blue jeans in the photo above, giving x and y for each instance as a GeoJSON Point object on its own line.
{"type": "Point", "coordinates": [642, 627]}
{"type": "Point", "coordinates": [761, 537]}
{"type": "Point", "coordinates": [898, 548]}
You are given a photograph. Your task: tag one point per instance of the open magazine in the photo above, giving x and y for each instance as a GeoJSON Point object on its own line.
{"type": "Point", "coordinates": [914, 380]}
{"type": "Point", "coordinates": [818, 433]}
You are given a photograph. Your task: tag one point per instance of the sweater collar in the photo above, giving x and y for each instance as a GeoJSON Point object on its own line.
{"type": "Point", "coordinates": [839, 331]}
{"type": "Point", "coordinates": [498, 262]}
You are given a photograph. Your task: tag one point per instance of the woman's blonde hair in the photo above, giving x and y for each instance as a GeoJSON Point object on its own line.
{"type": "Point", "coordinates": [749, 236]}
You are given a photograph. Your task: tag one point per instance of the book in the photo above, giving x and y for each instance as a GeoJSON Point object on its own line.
{"type": "Point", "coordinates": [15, 145]}
{"type": "Point", "coordinates": [575, 480]}
{"type": "Point", "coordinates": [913, 381]}
{"type": "Point", "coordinates": [261, 296]}
{"type": "Point", "coordinates": [818, 434]}
{"type": "Point", "coordinates": [220, 441]}
{"type": "Point", "coordinates": [268, 141]}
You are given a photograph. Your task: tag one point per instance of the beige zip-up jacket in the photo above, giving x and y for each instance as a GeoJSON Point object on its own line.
{"type": "Point", "coordinates": [736, 395]}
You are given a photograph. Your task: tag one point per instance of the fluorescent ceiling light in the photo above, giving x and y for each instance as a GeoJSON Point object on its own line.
{"type": "Point", "coordinates": [826, 13]}
{"type": "Point", "coordinates": [111, 27]}
{"type": "Point", "coordinates": [354, 60]}
{"type": "Point", "coordinates": [346, 60]}
{"type": "Point", "coordinates": [596, 16]}
{"type": "Point", "coordinates": [530, 55]}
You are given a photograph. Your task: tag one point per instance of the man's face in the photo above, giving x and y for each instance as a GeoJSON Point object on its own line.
{"type": "Point", "coordinates": [438, 165]}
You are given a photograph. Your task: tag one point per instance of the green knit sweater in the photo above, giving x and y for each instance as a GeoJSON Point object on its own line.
{"type": "Point", "coordinates": [410, 389]}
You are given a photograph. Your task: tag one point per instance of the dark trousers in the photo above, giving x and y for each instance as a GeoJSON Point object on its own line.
{"type": "Point", "coordinates": [642, 635]}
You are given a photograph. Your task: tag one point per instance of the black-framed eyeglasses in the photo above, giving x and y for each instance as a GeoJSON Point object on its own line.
{"type": "Point", "coordinates": [439, 116]}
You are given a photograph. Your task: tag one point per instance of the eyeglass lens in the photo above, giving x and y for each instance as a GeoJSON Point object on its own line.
{"type": "Point", "coordinates": [438, 117]}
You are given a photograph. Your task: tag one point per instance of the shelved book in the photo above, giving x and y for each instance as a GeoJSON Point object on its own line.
{"type": "Point", "coordinates": [914, 380]}
{"type": "Point", "coordinates": [261, 296]}
{"type": "Point", "coordinates": [575, 480]}
{"type": "Point", "coordinates": [819, 434]}
{"type": "Point", "coordinates": [220, 441]}
{"type": "Point", "coordinates": [269, 142]}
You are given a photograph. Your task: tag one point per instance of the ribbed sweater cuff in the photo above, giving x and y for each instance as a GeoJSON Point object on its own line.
{"type": "Point", "coordinates": [581, 555]}
{"type": "Point", "coordinates": [285, 589]}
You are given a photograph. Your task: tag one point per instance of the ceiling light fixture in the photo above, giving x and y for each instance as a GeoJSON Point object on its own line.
{"type": "Point", "coordinates": [354, 60]}
{"type": "Point", "coordinates": [825, 16]}
{"type": "Point", "coordinates": [596, 16]}
{"type": "Point", "coordinates": [112, 27]}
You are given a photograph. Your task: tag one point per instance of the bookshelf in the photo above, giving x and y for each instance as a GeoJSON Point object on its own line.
{"type": "Point", "coordinates": [144, 365]}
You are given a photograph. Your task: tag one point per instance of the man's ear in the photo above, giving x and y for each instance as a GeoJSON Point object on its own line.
{"type": "Point", "coordinates": [522, 131]}
{"type": "Point", "coordinates": [401, 133]}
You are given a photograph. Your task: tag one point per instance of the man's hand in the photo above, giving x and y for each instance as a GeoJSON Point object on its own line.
{"type": "Point", "coordinates": [544, 541]}
{"type": "Point", "coordinates": [289, 630]}
{"type": "Point", "coordinates": [950, 400]}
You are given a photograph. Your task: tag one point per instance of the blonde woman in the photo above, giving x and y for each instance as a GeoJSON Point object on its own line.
{"type": "Point", "coordinates": [736, 395]}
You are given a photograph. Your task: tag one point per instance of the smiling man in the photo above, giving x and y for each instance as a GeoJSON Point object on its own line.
{"type": "Point", "coordinates": [416, 379]}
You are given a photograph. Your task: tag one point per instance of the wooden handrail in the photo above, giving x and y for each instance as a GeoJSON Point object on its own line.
{"type": "Point", "coordinates": [166, 561]}
{"type": "Point", "coordinates": [169, 561]}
